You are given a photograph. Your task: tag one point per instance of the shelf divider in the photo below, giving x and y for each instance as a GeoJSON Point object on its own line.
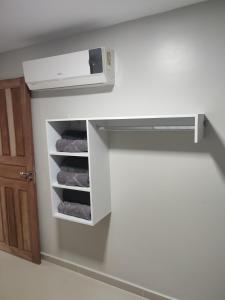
{"type": "Point", "coordinates": [68, 187]}
{"type": "Point", "coordinates": [78, 154]}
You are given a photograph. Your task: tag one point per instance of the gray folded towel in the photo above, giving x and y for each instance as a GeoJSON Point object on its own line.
{"type": "Point", "coordinates": [72, 141]}
{"type": "Point", "coordinates": [74, 172]}
{"type": "Point", "coordinates": [75, 209]}
{"type": "Point", "coordinates": [79, 177]}
{"type": "Point", "coordinates": [70, 145]}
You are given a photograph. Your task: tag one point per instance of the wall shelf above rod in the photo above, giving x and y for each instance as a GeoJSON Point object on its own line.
{"type": "Point", "coordinates": [155, 123]}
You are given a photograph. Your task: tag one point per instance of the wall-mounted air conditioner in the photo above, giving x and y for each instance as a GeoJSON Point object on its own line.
{"type": "Point", "coordinates": [84, 68]}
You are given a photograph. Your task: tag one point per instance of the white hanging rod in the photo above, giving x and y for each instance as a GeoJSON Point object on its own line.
{"type": "Point", "coordinates": [146, 128]}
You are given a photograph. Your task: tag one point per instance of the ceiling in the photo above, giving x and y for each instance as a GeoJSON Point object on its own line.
{"type": "Point", "coordinates": [28, 22]}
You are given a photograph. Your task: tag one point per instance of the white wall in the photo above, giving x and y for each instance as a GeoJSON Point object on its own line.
{"type": "Point", "coordinates": [166, 231]}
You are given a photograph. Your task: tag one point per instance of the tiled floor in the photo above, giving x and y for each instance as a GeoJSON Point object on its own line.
{"type": "Point", "coordinates": [22, 280]}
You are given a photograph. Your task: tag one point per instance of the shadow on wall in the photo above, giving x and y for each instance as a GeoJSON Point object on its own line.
{"type": "Point", "coordinates": [173, 142]}
{"type": "Point", "coordinates": [84, 240]}
{"type": "Point", "coordinates": [71, 92]}
{"type": "Point", "coordinates": [91, 241]}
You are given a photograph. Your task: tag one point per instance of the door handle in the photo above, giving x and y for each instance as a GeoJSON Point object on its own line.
{"type": "Point", "coordinates": [28, 176]}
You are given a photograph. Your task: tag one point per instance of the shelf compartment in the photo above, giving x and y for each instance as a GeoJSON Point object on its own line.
{"type": "Point", "coordinates": [55, 129]}
{"type": "Point", "coordinates": [57, 197]}
{"type": "Point", "coordinates": [55, 163]}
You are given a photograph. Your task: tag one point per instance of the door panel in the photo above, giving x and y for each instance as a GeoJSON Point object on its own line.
{"type": "Point", "coordinates": [2, 235]}
{"type": "Point", "coordinates": [4, 131]}
{"type": "Point", "coordinates": [24, 221]}
{"type": "Point", "coordinates": [19, 233]}
{"type": "Point", "coordinates": [17, 112]}
{"type": "Point", "coordinates": [16, 198]}
{"type": "Point", "coordinates": [12, 172]}
{"type": "Point", "coordinates": [8, 194]}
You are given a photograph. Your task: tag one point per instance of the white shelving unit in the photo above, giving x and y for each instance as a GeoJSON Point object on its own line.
{"type": "Point", "coordinates": [98, 165]}
{"type": "Point", "coordinates": [97, 155]}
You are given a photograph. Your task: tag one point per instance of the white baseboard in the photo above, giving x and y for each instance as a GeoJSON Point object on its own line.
{"type": "Point", "coordinates": [114, 281]}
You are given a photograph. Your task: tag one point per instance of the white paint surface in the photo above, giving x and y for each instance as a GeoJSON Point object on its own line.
{"type": "Point", "coordinates": [51, 282]}
{"type": "Point", "coordinates": [166, 230]}
{"type": "Point", "coordinates": [24, 23]}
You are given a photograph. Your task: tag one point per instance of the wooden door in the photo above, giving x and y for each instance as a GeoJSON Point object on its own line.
{"type": "Point", "coordinates": [19, 232]}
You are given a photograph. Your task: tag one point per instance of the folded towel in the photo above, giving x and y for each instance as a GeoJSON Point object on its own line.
{"type": "Point", "coordinates": [76, 197]}
{"type": "Point", "coordinates": [72, 141]}
{"type": "Point", "coordinates": [74, 172]}
{"type": "Point", "coordinates": [75, 209]}
{"type": "Point", "coordinates": [66, 145]}
{"type": "Point", "coordinates": [78, 178]}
